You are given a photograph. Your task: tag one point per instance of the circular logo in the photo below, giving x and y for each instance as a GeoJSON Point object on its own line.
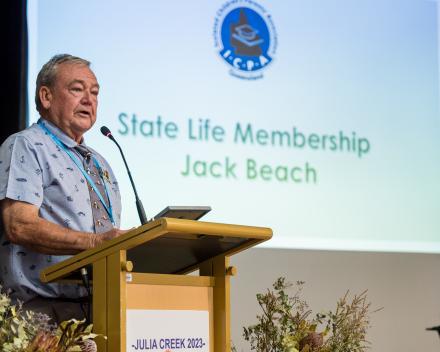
{"type": "Point", "coordinates": [245, 37]}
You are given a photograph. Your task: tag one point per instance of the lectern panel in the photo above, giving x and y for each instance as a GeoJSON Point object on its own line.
{"type": "Point", "coordinates": [169, 317]}
{"type": "Point", "coordinates": [168, 297]}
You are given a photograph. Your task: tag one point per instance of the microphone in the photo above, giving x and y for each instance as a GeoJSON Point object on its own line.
{"type": "Point", "coordinates": [86, 283]}
{"type": "Point", "coordinates": [140, 208]}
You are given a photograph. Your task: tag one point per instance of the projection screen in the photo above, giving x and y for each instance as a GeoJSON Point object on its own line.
{"type": "Point", "coordinates": [319, 119]}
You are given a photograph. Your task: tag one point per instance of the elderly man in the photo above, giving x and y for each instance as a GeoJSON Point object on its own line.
{"type": "Point", "coordinates": [57, 195]}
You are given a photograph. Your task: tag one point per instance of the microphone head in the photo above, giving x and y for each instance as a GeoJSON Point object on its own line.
{"type": "Point", "coordinates": [106, 132]}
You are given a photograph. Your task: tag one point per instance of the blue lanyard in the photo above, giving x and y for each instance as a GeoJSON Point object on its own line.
{"type": "Point", "coordinates": [84, 172]}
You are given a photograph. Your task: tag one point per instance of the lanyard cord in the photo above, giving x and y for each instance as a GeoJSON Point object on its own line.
{"type": "Point", "coordinates": [79, 165]}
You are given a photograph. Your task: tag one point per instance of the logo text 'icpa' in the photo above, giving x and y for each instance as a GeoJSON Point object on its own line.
{"type": "Point", "coordinates": [245, 37]}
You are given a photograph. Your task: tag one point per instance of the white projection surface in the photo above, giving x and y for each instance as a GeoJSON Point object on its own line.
{"type": "Point", "coordinates": [319, 119]}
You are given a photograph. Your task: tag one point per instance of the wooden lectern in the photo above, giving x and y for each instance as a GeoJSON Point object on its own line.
{"type": "Point", "coordinates": [145, 270]}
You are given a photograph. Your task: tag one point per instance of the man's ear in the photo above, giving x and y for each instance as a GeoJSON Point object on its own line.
{"type": "Point", "coordinates": [45, 97]}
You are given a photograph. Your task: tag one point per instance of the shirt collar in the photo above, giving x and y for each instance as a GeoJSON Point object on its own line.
{"type": "Point", "coordinates": [62, 136]}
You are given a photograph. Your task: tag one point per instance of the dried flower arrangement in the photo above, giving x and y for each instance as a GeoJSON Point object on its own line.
{"type": "Point", "coordinates": [287, 324]}
{"type": "Point", "coordinates": [27, 331]}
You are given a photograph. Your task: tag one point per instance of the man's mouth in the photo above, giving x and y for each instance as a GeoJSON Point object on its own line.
{"type": "Point", "coordinates": [84, 113]}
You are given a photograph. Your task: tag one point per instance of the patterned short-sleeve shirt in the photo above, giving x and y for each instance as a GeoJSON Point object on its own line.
{"type": "Point", "coordinates": [33, 169]}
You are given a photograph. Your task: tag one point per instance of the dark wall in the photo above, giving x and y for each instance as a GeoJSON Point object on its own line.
{"type": "Point", "coordinates": [13, 62]}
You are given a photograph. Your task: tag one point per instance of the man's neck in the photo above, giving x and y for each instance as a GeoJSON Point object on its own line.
{"type": "Point", "coordinates": [77, 138]}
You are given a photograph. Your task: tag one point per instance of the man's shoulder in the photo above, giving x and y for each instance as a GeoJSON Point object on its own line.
{"type": "Point", "coordinates": [33, 135]}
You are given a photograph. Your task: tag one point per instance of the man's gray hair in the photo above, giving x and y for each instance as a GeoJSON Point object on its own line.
{"type": "Point", "coordinates": [47, 75]}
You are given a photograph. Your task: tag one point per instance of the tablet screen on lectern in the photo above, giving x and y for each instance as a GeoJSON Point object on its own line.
{"type": "Point", "coordinates": [183, 212]}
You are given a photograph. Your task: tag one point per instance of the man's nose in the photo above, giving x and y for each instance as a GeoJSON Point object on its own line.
{"type": "Point", "coordinates": [88, 98]}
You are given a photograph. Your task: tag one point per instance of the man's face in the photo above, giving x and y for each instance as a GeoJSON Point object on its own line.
{"type": "Point", "coordinates": [72, 101]}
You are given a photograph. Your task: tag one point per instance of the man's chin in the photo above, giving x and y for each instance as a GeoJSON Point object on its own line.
{"type": "Point", "coordinates": [82, 127]}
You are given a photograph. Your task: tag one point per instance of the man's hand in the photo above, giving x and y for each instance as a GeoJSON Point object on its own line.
{"type": "Point", "coordinates": [25, 227]}
{"type": "Point", "coordinates": [106, 236]}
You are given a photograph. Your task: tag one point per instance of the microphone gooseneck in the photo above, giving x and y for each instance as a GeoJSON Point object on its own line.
{"type": "Point", "coordinates": [140, 208]}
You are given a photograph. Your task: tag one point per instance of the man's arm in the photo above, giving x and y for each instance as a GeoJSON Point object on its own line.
{"type": "Point", "coordinates": [25, 227]}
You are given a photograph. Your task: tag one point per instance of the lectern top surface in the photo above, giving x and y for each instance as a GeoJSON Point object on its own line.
{"type": "Point", "coordinates": [167, 246]}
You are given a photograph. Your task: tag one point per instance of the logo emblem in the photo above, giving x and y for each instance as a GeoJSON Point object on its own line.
{"type": "Point", "coordinates": [245, 38]}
